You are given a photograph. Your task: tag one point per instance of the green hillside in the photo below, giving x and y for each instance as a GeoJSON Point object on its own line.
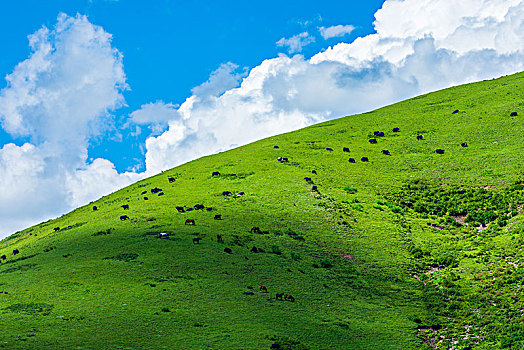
{"type": "Point", "coordinates": [410, 250]}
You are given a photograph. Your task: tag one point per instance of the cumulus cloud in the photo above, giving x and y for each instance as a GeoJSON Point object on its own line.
{"type": "Point", "coordinates": [419, 46]}
{"type": "Point", "coordinates": [58, 98]}
{"type": "Point", "coordinates": [296, 42]}
{"type": "Point", "coordinates": [335, 31]}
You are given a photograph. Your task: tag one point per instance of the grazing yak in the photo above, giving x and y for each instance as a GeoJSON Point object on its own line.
{"type": "Point", "coordinates": [161, 194]}
{"type": "Point", "coordinates": [254, 249]}
{"type": "Point", "coordinates": [56, 229]}
{"type": "Point", "coordinates": [455, 111]}
{"type": "Point", "coordinates": [385, 152]}
{"type": "Point", "coordinates": [255, 229]}
{"type": "Point", "coordinates": [364, 159]}
{"type": "Point", "coordinates": [163, 235]}
{"type": "Point", "coordinates": [189, 209]}
{"type": "Point", "coordinates": [145, 198]}
{"type": "Point", "coordinates": [513, 114]}
{"type": "Point", "coordinates": [190, 222]}
{"type": "Point", "coordinates": [396, 129]}
{"type": "Point", "coordinates": [220, 239]}
{"type": "Point", "coordinates": [351, 160]}
{"type": "Point", "coordinates": [143, 193]}
{"type": "Point", "coordinates": [464, 144]}
{"type": "Point", "coordinates": [439, 151]}
{"type": "Point", "coordinates": [215, 173]}
{"type": "Point", "coordinates": [95, 208]}
{"type": "Point", "coordinates": [308, 179]}
{"type": "Point", "coordinates": [314, 172]}
{"type": "Point", "coordinates": [125, 206]}
{"type": "Point", "coordinates": [329, 149]}
{"type": "Point", "coordinates": [314, 188]}
{"type": "Point", "coordinates": [420, 137]}
{"type": "Point", "coordinates": [226, 193]}
{"type": "Point", "coordinates": [289, 297]}
{"type": "Point", "coordinates": [180, 209]}
{"type": "Point", "coordinates": [284, 160]}
{"type": "Point", "coordinates": [262, 289]}
{"type": "Point", "coordinates": [15, 251]}
{"type": "Point", "coordinates": [372, 140]}
{"type": "Point", "coordinates": [3, 257]}
{"type": "Point", "coordinates": [218, 217]}
{"type": "Point", "coordinates": [240, 193]}
{"type": "Point", "coordinates": [276, 147]}
{"type": "Point", "coordinates": [209, 209]}
{"type": "Point", "coordinates": [156, 190]}
{"type": "Point", "coordinates": [124, 217]}
{"type": "Point", "coordinates": [279, 296]}
{"type": "Point", "coordinates": [197, 240]}
{"type": "Point", "coordinates": [378, 133]}
{"type": "Point", "coordinates": [171, 179]}
{"type": "Point", "coordinates": [228, 250]}
{"type": "Point", "coordinates": [345, 149]}
{"type": "Point", "coordinates": [199, 207]}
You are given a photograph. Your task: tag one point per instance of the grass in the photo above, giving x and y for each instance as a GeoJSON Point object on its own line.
{"type": "Point", "coordinates": [371, 272]}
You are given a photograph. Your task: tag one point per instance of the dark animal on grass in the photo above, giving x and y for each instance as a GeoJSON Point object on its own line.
{"type": "Point", "coordinates": [156, 190]}
{"type": "Point", "coordinates": [95, 208]}
{"type": "Point", "coordinates": [289, 297]}
{"type": "Point", "coordinates": [209, 209]}
{"type": "Point", "coordinates": [196, 240]}
{"type": "Point", "coordinates": [254, 249]}
{"type": "Point", "coordinates": [314, 172]}
{"type": "Point", "coordinates": [345, 149]}
{"type": "Point", "coordinates": [125, 206]}
{"type": "Point", "coordinates": [420, 137]}
{"type": "Point", "coordinates": [364, 159]}
{"type": "Point", "coordinates": [124, 217]}
{"type": "Point", "coordinates": [171, 179]}
{"type": "Point", "coordinates": [255, 229]}
{"type": "Point", "coordinates": [314, 188]}
{"type": "Point", "coordinates": [180, 209]}
{"type": "Point", "coordinates": [220, 239]}
{"type": "Point", "coordinates": [513, 114]}
{"type": "Point", "coordinates": [218, 217]}
{"type": "Point", "coordinates": [464, 144]}
{"type": "Point", "coordinates": [279, 159]}
{"type": "Point", "coordinates": [386, 152]}
{"type": "Point", "coordinates": [439, 151]}
{"type": "Point", "coordinates": [189, 209]}
{"type": "Point", "coordinates": [161, 194]}
{"type": "Point", "coordinates": [3, 257]}
{"type": "Point", "coordinates": [284, 160]}
{"type": "Point", "coordinates": [275, 147]}
{"type": "Point", "coordinates": [396, 129]}
{"type": "Point", "coordinates": [199, 207]}
{"type": "Point", "coordinates": [240, 193]}
{"type": "Point", "coordinates": [372, 140]}
{"type": "Point", "coordinates": [145, 198]}
{"type": "Point", "coordinates": [279, 296]}
{"type": "Point", "coordinates": [56, 229]}
{"type": "Point", "coordinates": [378, 133]}
{"type": "Point", "coordinates": [308, 179]}
{"type": "Point", "coordinates": [226, 193]}
{"type": "Point", "coordinates": [262, 289]}
{"type": "Point", "coordinates": [215, 173]}
{"type": "Point", "coordinates": [163, 235]}
{"type": "Point", "coordinates": [329, 149]}
{"type": "Point", "coordinates": [143, 193]}
{"type": "Point", "coordinates": [228, 250]}
{"type": "Point", "coordinates": [351, 160]}
{"type": "Point", "coordinates": [190, 222]}
{"type": "Point", "coordinates": [15, 251]}
{"type": "Point", "coordinates": [275, 346]}
{"type": "Point", "coordinates": [455, 111]}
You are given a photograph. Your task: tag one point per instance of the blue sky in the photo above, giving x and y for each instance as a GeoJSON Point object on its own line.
{"type": "Point", "coordinates": [99, 94]}
{"type": "Point", "coordinates": [170, 47]}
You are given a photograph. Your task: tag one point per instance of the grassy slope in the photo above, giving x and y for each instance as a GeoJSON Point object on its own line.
{"type": "Point", "coordinates": [69, 296]}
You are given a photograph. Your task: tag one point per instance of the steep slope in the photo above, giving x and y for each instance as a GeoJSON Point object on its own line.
{"type": "Point", "coordinates": [377, 257]}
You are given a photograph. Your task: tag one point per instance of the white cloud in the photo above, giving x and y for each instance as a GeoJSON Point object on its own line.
{"type": "Point", "coordinates": [59, 98]}
{"type": "Point", "coordinates": [419, 46]}
{"type": "Point", "coordinates": [296, 42]}
{"type": "Point", "coordinates": [335, 31]}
